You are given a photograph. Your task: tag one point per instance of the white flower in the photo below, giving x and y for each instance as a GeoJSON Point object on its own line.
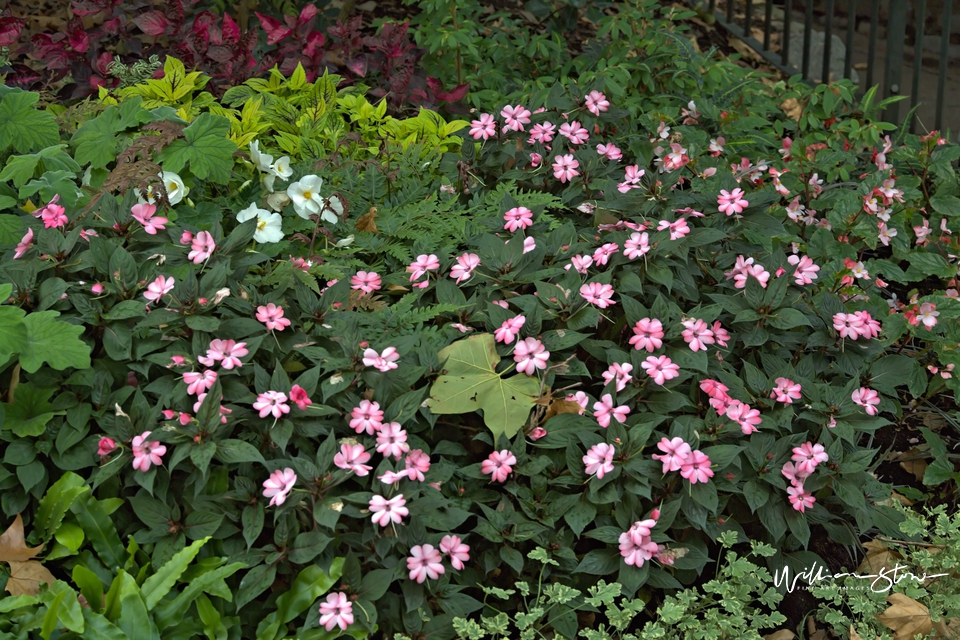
{"type": "Point", "coordinates": [346, 242]}
{"type": "Point", "coordinates": [305, 195]}
{"type": "Point", "coordinates": [268, 223]}
{"type": "Point", "coordinates": [176, 190]}
{"type": "Point", "coordinates": [261, 160]}
{"type": "Point", "coordinates": [277, 201]}
{"type": "Point", "coordinates": [332, 210]}
{"type": "Point", "coordinates": [281, 168]}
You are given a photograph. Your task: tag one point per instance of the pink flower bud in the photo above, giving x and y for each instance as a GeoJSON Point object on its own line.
{"type": "Point", "coordinates": [538, 433]}
{"type": "Point", "coordinates": [202, 301]}
{"type": "Point", "coordinates": [106, 446]}
{"type": "Point", "coordinates": [186, 237]}
{"type": "Point", "coordinates": [97, 289]}
{"type": "Point", "coordinates": [169, 414]}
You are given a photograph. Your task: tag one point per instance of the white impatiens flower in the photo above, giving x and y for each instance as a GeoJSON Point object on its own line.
{"type": "Point", "coordinates": [268, 223]}
{"type": "Point", "coordinates": [176, 190]}
{"type": "Point", "coordinates": [261, 160]}
{"type": "Point", "coordinates": [281, 168]}
{"type": "Point", "coordinates": [305, 195]}
{"type": "Point", "coordinates": [332, 210]}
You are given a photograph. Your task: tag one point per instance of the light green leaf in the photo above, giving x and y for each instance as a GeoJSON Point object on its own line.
{"type": "Point", "coordinates": [53, 183]}
{"type": "Point", "coordinates": [23, 126]}
{"type": "Point", "coordinates": [13, 332]}
{"type": "Point", "coordinates": [20, 169]}
{"type": "Point", "coordinates": [56, 502]}
{"type": "Point", "coordinates": [171, 611]}
{"type": "Point", "coordinates": [30, 411]}
{"type": "Point", "coordinates": [52, 341]}
{"type": "Point", "coordinates": [309, 585]}
{"type": "Point", "coordinates": [159, 584]}
{"type": "Point", "coordinates": [471, 383]}
{"type": "Point", "coordinates": [205, 148]}
{"type": "Point", "coordinates": [11, 227]}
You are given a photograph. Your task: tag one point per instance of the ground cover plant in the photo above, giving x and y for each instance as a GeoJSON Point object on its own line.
{"type": "Point", "coordinates": [280, 364]}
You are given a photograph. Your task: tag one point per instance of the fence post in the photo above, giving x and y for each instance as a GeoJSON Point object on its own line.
{"type": "Point", "coordinates": [893, 72]}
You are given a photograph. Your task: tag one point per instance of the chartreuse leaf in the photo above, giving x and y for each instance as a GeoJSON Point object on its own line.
{"type": "Point", "coordinates": [23, 126]}
{"type": "Point", "coordinates": [52, 341]}
{"type": "Point", "coordinates": [55, 504]}
{"type": "Point", "coordinates": [63, 610]}
{"type": "Point", "coordinates": [134, 618]}
{"type": "Point", "coordinates": [102, 533]}
{"type": "Point", "coordinates": [310, 584]}
{"type": "Point", "coordinates": [205, 148]}
{"type": "Point", "coordinates": [471, 383]}
{"type": "Point", "coordinates": [160, 583]}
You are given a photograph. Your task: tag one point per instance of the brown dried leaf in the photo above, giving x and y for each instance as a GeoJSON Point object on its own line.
{"type": "Point", "coordinates": [367, 221]}
{"type": "Point", "coordinates": [893, 499]}
{"type": "Point", "coordinates": [560, 406]}
{"type": "Point", "coordinates": [25, 578]}
{"type": "Point", "coordinates": [744, 49]}
{"type": "Point", "coordinates": [905, 617]}
{"type": "Point", "coordinates": [397, 287]}
{"type": "Point", "coordinates": [879, 556]}
{"type": "Point", "coordinates": [12, 545]}
{"type": "Point", "coordinates": [948, 628]}
{"type": "Point", "coordinates": [917, 466]}
{"type": "Point", "coordinates": [783, 634]}
{"type": "Point", "coordinates": [792, 108]}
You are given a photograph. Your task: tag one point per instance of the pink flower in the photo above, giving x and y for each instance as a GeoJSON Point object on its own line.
{"type": "Point", "coordinates": [731, 202]}
{"type": "Point", "coordinates": [384, 361]}
{"type": "Point", "coordinates": [795, 474]}
{"type": "Point", "coordinates": [352, 458]}
{"type": "Point", "coordinates": [565, 167]}
{"type": "Point", "coordinates": [146, 453]}
{"type": "Point", "coordinates": [660, 368]}
{"type": "Point", "coordinates": [106, 446]}
{"type": "Point", "coordinates": [799, 498]}
{"type": "Point", "coordinates": [226, 352]}
{"type": "Point", "coordinates": [272, 316]}
{"type": "Point", "coordinates": [392, 440]}
{"type": "Point", "coordinates": [485, 127]}
{"type": "Point", "coordinates": [631, 179]}
{"type": "Point", "coordinates": [25, 243]}
{"type": "Point", "coordinates": [466, 263]}
{"type": "Point", "coordinates": [678, 229]}
{"type": "Point", "coordinates": [144, 214]}
{"type": "Point", "coordinates": [580, 263]}
{"type": "Point", "coordinates": [675, 454]}
{"type": "Point", "coordinates": [720, 334]}
{"type": "Point", "coordinates": [530, 355]}
{"type": "Point", "coordinates": [515, 117]}
{"type": "Point", "coordinates": [848, 325]}
{"type": "Point", "coordinates": [786, 391]}
{"type": "Point", "coordinates": [742, 414]}
{"type": "Point", "coordinates": [197, 383]}
{"type": "Point", "coordinates": [619, 372]}
{"type": "Point", "coordinates": [96, 289]}
{"type": "Point", "coordinates": [599, 460]}
{"type": "Point", "coordinates": [53, 216]}
{"type": "Point", "coordinates": [272, 402]}
{"type": "Point", "coordinates": [676, 159]}
{"type": "Point", "coordinates": [598, 294]}
{"type": "Point", "coordinates": [636, 544]}
{"type": "Point", "coordinates": [279, 485]}
{"type": "Point", "coordinates": [498, 465]}
{"type": "Point", "coordinates": [648, 334]}
{"type": "Point", "coordinates": [386, 511]}
{"type": "Point", "coordinates": [602, 255]}
{"type": "Point", "coordinates": [595, 102]}
{"type": "Point", "coordinates": [604, 410]}
{"type": "Point", "coordinates": [535, 160]}
{"type": "Point", "coordinates": [201, 248]}
{"type": "Point", "coordinates": [573, 132]}
{"type": "Point", "coordinates": [697, 334]}
{"type": "Point", "coordinates": [716, 146]}
{"type": "Point", "coordinates": [542, 133]}
{"type": "Point", "coordinates": [458, 552]}
{"type": "Point", "coordinates": [366, 418]}
{"type": "Point", "coordinates": [696, 468]}
{"type": "Point", "coordinates": [509, 329]}
{"type": "Point", "coordinates": [806, 271]}
{"type": "Point", "coordinates": [518, 218]}
{"type": "Point", "coordinates": [186, 237]}
{"type": "Point", "coordinates": [866, 398]}
{"type": "Point", "coordinates": [337, 611]}
{"type": "Point", "coordinates": [537, 433]}
{"type": "Point", "coordinates": [366, 282]}
{"type": "Point", "coordinates": [424, 561]}
{"type": "Point", "coordinates": [298, 396]}
{"type": "Point", "coordinates": [637, 245]}
{"type": "Point", "coordinates": [808, 456]}
{"type": "Point", "coordinates": [417, 463]}
{"type": "Point", "coordinates": [610, 151]}
{"type": "Point", "coordinates": [421, 265]}
{"type": "Point", "coordinates": [928, 315]}
{"type": "Point", "coordinates": [158, 288]}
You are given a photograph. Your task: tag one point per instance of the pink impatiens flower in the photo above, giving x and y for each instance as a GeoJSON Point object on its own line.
{"type": "Point", "coordinates": [485, 127]}
{"type": "Point", "coordinates": [866, 398]}
{"type": "Point", "coordinates": [808, 456]}
{"type": "Point", "coordinates": [806, 271]}
{"type": "Point", "coordinates": [144, 214]}
{"type": "Point", "coordinates": [509, 329]}
{"type": "Point", "coordinates": [158, 288]}
{"type": "Point", "coordinates": [637, 244]}
{"type": "Point", "coordinates": [424, 562]}
{"type": "Point", "coordinates": [498, 465]}
{"type": "Point", "coordinates": [799, 498]}
{"type": "Point", "coordinates": [366, 418]}
{"type": "Point", "coordinates": [197, 382]}
{"type": "Point", "coordinates": [272, 402]}
{"type": "Point", "coordinates": [392, 440]}
{"type": "Point", "coordinates": [106, 446]}
{"type": "Point", "coordinates": [731, 202]}
{"type": "Point", "coordinates": [648, 334]}
{"type": "Point", "coordinates": [604, 410]}
{"type": "Point", "coordinates": [337, 611]}
{"type": "Point", "coordinates": [515, 117]}
{"type": "Point", "coordinates": [466, 263]}
{"type": "Point", "coordinates": [417, 463]}
{"type": "Point", "coordinates": [631, 179]}
{"type": "Point", "coordinates": [366, 282]}
{"type": "Point", "coordinates": [530, 355]}
{"type": "Point", "coordinates": [565, 167]}
{"type": "Point", "coordinates": [146, 453]}
{"type": "Point", "coordinates": [384, 361]}
{"type": "Point", "coordinates": [279, 485]}
{"type": "Point", "coordinates": [598, 294]}
{"type": "Point", "coordinates": [610, 151]}
{"type": "Point", "coordinates": [574, 132]}
{"type": "Point", "coordinates": [675, 453]}
{"type": "Point", "coordinates": [660, 368]}
{"type": "Point", "coordinates": [620, 373]}
{"type": "Point", "coordinates": [518, 218]}
{"type": "Point", "coordinates": [53, 216]}
{"type": "Point", "coordinates": [636, 544]}
{"type": "Point", "coordinates": [272, 316]}
{"type": "Point", "coordinates": [595, 102]}
{"type": "Point", "coordinates": [386, 511]}
{"type": "Point", "coordinates": [422, 265]}
{"type": "Point", "coordinates": [786, 391]}
{"type": "Point", "coordinates": [352, 458]}
{"type": "Point", "coordinates": [696, 467]}
{"type": "Point", "coordinates": [599, 460]}
{"type": "Point", "coordinates": [848, 325]}
{"type": "Point", "coordinates": [602, 255]}
{"type": "Point", "coordinates": [226, 352]}
{"type": "Point", "coordinates": [697, 334]}
{"type": "Point", "coordinates": [742, 414]}
{"type": "Point", "coordinates": [580, 264]}
{"type": "Point", "coordinates": [202, 247]}
{"type": "Point", "coordinates": [25, 243]}
{"type": "Point", "coordinates": [299, 396]}
{"type": "Point", "coordinates": [458, 552]}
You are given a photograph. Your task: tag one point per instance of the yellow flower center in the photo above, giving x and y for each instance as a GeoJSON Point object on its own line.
{"type": "Point", "coordinates": [172, 186]}
{"type": "Point", "coordinates": [308, 195]}
{"type": "Point", "coordinates": [261, 225]}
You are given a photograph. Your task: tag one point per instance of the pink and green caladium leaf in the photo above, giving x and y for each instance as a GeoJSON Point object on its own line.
{"type": "Point", "coordinates": [471, 383]}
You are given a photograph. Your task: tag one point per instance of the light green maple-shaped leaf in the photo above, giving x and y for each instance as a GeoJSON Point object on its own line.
{"type": "Point", "coordinates": [52, 341]}
{"type": "Point", "coordinates": [23, 126]}
{"type": "Point", "coordinates": [205, 148]}
{"type": "Point", "coordinates": [23, 168]}
{"type": "Point", "coordinates": [471, 383]}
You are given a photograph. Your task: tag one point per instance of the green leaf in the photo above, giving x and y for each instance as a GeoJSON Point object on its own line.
{"type": "Point", "coordinates": [56, 502]}
{"type": "Point", "coordinates": [20, 169]}
{"type": "Point", "coordinates": [788, 318]}
{"type": "Point", "coordinates": [23, 126]}
{"type": "Point", "coordinates": [471, 383]}
{"type": "Point", "coordinates": [11, 228]}
{"type": "Point", "coordinates": [134, 617]}
{"type": "Point", "coordinates": [100, 530]}
{"type": "Point", "coordinates": [52, 341]}
{"type": "Point", "coordinates": [13, 332]}
{"type": "Point", "coordinates": [205, 148]}
{"type": "Point", "coordinates": [171, 611]}
{"type": "Point", "coordinates": [309, 585]}
{"type": "Point", "coordinates": [946, 204]}
{"type": "Point", "coordinates": [235, 451]}
{"type": "Point", "coordinates": [159, 584]}
{"type": "Point", "coordinates": [889, 372]}
{"type": "Point", "coordinates": [95, 142]}
{"type": "Point", "coordinates": [54, 183]}
{"type": "Point", "coordinates": [30, 411]}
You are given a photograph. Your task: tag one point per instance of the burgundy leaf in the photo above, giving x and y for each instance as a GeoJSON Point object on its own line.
{"type": "Point", "coordinates": [307, 14]}
{"type": "Point", "coordinates": [79, 39]}
{"type": "Point", "coordinates": [152, 23]}
{"type": "Point", "coordinates": [358, 66]}
{"type": "Point", "coordinates": [274, 28]}
{"type": "Point", "coordinates": [454, 95]}
{"type": "Point", "coordinates": [230, 30]}
{"type": "Point", "coordinates": [103, 63]}
{"type": "Point", "coordinates": [112, 27]}
{"type": "Point", "coordinates": [10, 30]}
{"type": "Point", "coordinates": [434, 85]}
{"type": "Point", "coordinates": [314, 42]}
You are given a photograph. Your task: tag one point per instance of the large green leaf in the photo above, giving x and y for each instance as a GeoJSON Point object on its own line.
{"type": "Point", "coordinates": [54, 183]}
{"type": "Point", "coordinates": [30, 411]}
{"type": "Point", "coordinates": [20, 169]}
{"type": "Point", "coordinates": [471, 383]}
{"type": "Point", "coordinates": [312, 583]}
{"type": "Point", "coordinates": [56, 502]}
{"type": "Point", "coordinates": [95, 142]}
{"type": "Point", "coordinates": [11, 227]}
{"type": "Point", "coordinates": [205, 148]}
{"type": "Point", "coordinates": [52, 341]}
{"type": "Point", "coordinates": [23, 126]}
{"type": "Point", "coordinates": [160, 583]}
{"type": "Point", "coordinates": [13, 332]}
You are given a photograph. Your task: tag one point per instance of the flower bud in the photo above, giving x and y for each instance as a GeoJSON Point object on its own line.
{"type": "Point", "coordinates": [97, 289]}
{"type": "Point", "coordinates": [106, 446]}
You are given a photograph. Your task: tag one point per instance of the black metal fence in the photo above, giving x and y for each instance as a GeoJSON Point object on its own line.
{"type": "Point", "coordinates": [823, 40]}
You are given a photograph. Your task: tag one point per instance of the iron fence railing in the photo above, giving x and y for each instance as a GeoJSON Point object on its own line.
{"type": "Point", "coordinates": [806, 37]}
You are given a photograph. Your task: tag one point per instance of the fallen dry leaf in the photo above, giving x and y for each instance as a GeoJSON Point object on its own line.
{"type": "Point", "coordinates": [792, 108]}
{"type": "Point", "coordinates": [560, 406]}
{"type": "Point", "coordinates": [878, 557]}
{"type": "Point", "coordinates": [367, 221]}
{"type": "Point", "coordinates": [893, 499]}
{"type": "Point", "coordinates": [905, 617]}
{"type": "Point", "coordinates": [917, 466]}
{"type": "Point", "coordinates": [397, 287]}
{"type": "Point", "coordinates": [25, 578]}
{"type": "Point", "coordinates": [783, 634]}
{"type": "Point", "coordinates": [948, 628]}
{"type": "Point", "coordinates": [12, 545]}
